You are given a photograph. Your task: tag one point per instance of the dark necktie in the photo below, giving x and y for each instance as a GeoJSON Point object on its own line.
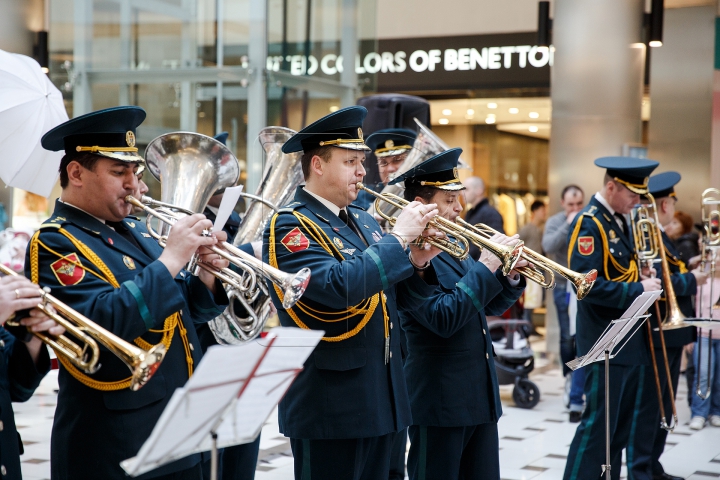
{"type": "Point", "coordinates": [346, 220]}
{"type": "Point", "coordinates": [623, 224]}
{"type": "Point", "coordinates": [122, 230]}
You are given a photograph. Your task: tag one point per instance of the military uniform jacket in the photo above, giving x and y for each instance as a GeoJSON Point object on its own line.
{"type": "Point", "coordinates": [685, 286]}
{"type": "Point", "coordinates": [94, 430]}
{"type": "Point", "coordinates": [597, 241]}
{"type": "Point", "coordinates": [450, 369]}
{"type": "Point", "coordinates": [19, 377]}
{"type": "Point", "coordinates": [345, 390]}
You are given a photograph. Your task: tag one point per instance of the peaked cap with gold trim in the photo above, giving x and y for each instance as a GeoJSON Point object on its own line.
{"type": "Point", "coordinates": [663, 184]}
{"type": "Point", "coordinates": [109, 132]}
{"type": "Point", "coordinates": [391, 141]}
{"type": "Point", "coordinates": [629, 171]}
{"type": "Point", "coordinates": [339, 129]}
{"type": "Point", "coordinates": [440, 171]}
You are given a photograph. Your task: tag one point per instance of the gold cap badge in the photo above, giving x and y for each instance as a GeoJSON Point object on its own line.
{"type": "Point", "coordinates": [130, 138]}
{"type": "Point", "coordinates": [389, 144]}
{"type": "Point", "coordinates": [360, 134]}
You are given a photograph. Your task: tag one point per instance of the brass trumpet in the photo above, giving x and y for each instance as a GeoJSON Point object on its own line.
{"type": "Point", "coordinates": [459, 248]}
{"type": "Point", "coordinates": [541, 269]}
{"type": "Point", "coordinates": [292, 285]}
{"type": "Point", "coordinates": [142, 364]}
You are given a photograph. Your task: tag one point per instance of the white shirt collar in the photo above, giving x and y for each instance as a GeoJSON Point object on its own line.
{"type": "Point", "coordinates": [327, 203]}
{"type": "Point", "coordinates": [213, 209]}
{"type": "Point", "coordinates": [604, 203]}
{"type": "Point", "coordinates": [78, 208]}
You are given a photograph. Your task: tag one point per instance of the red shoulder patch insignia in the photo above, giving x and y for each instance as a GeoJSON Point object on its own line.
{"type": "Point", "coordinates": [586, 245]}
{"type": "Point", "coordinates": [67, 271]}
{"type": "Point", "coordinates": [295, 241]}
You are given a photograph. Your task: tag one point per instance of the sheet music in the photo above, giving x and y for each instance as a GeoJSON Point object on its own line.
{"type": "Point", "coordinates": [234, 390]}
{"type": "Point", "coordinates": [624, 327]}
{"type": "Point", "coordinates": [230, 199]}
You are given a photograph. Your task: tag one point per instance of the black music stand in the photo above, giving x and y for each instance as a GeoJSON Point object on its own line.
{"type": "Point", "coordinates": [233, 391]}
{"type": "Point", "coordinates": [608, 346]}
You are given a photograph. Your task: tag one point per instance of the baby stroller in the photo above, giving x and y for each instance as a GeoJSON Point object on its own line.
{"type": "Point", "coordinates": [514, 359]}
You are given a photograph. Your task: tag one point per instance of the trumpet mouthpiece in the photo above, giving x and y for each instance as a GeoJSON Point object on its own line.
{"type": "Point", "coordinates": [359, 185]}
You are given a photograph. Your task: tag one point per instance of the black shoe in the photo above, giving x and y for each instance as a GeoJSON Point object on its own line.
{"type": "Point", "coordinates": [575, 418]}
{"type": "Point", "coordinates": [666, 476]}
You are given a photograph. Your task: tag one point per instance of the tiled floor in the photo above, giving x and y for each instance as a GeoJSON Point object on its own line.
{"type": "Point", "coordinates": [533, 443]}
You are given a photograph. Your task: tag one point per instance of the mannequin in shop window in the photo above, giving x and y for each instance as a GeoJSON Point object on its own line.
{"type": "Point", "coordinates": [480, 210]}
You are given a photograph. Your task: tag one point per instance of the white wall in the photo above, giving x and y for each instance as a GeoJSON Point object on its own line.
{"type": "Point", "coordinates": [430, 18]}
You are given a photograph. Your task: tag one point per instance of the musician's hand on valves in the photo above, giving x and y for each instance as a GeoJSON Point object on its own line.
{"type": "Point", "coordinates": [701, 277]}
{"type": "Point", "coordinates": [651, 284]}
{"type": "Point", "coordinates": [421, 254]}
{"type": "Point", "coordinates": [208, 257]}
{"type": "Point", "coordinates": [185, 238]}
{"type": "Point", "coordinates": [413, 219]}
{"type": "Point", "coordinates": [38, 321]}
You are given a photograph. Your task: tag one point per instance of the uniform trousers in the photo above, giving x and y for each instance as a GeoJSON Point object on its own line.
{"type": "Point", "coordinates": [342, 459]}
{"type": "Point", "coordinates": [192, 473]}
{"type": "Point", "coordinates": [454, 453]}
{"type": "Point", "coordinates": [397, 456]}
{"type": "Point", "coordinates": [587, 450]}
{"type": "Point", "coordinates": [238, 462]}
{"type": "Point", "coordinates": [643, 456]}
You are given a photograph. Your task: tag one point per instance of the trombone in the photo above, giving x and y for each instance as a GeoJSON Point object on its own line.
{"type": "Point", "coordinates": [142, 363]}
{"type": "Point", "coordinates": [459, 248]}
{"type": "Point", "coordinates": [649, 245]}
{"type": "Point", "coordinates": [711, 244]}
{"type": "Point", "coordinates": [292, 285]}
{"type": "Point", "coordinates": [541, 269]}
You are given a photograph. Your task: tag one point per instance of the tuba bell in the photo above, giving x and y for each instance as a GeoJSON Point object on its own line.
{"type": "Point", "coordinates": [426, 145]}
{"type": "Point", "coordinates": [282, 175]}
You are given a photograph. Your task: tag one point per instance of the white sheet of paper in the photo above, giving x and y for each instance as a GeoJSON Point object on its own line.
{"type": "Point", "coordinates": [230, 199]}
{"type": "Point", "coordinates": [233, 390]}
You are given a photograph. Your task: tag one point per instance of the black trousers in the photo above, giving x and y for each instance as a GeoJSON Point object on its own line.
{"type": "Point", "coordinates": [454, 453]}
{"type": "Point", "coordinates": [587, 450]}
{"type": "Point", "coordinates": [397, 455]}
{"type": "Point", "coordinates": [342, 459]}
{"type": "Point", "coordinates": [193, 473]}
{"type": "Point", "coordinates": [238, 462]}
{"type": "Point", "coordinates": [643, 457]}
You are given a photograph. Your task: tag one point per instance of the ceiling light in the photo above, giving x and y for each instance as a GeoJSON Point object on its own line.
{"type": "Point", "coordinates": [492, 105]}
{"type": "Point", "coordinates": [443, 121]}
{"type": "Point", "coordinates": [470, 111]}
{"type": "Point", "coordinates": [655, 43]}
{"type": "Point", "coordinates": [533, 129]}
{"type": "Point", "coordinates": [490, 119]}
{"type": "Point", "coordinates": [534, 115]}
{"type": "Point", "coordinates": [334, 108]}
{"type": "Point", "coordinates": [447, 111]}
{"type": "Point", "coordinates": [514, 110]}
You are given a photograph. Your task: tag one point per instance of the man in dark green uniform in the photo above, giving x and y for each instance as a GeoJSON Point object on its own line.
{"type": "Point", "coordinates": [648, 440]}
{"type": "Point", "coordinates": [600, 239]}
{"type": "Point", "coordinates": [105, 265]}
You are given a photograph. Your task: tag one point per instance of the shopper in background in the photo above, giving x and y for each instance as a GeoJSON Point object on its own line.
{"type": "Point", "coordinates": [555, 245]}
{"type": "Point", "coordinates": [680, 231]}
{"type": "Point", "coordinates": [532, 234]}
{"type": "Point", "coordinates": [480, 210]}
{"type": "Point", "coordinates": [706, 410]}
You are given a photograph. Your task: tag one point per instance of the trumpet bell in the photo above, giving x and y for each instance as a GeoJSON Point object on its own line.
{"type": "Point", "coordinates": [294, 286]}
{"type": "Point", "coordinates": [145, 365]}
{"type": "Point", "coordinates": [584, 283]}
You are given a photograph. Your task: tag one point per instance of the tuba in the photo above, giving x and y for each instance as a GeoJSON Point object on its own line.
{"type": "Point", "coordinates": [282, 175]}
{"type": "Point", "coordinates": [426, 145]}
{"type": "Point", "coordinates": [193, 167]}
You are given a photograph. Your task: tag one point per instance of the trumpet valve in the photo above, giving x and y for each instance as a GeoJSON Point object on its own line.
{"type": "Point", "coordinates": [512, 257]}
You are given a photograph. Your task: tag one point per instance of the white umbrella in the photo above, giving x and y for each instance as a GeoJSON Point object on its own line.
{"type": "Point", "coordinates": [30, 105]}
